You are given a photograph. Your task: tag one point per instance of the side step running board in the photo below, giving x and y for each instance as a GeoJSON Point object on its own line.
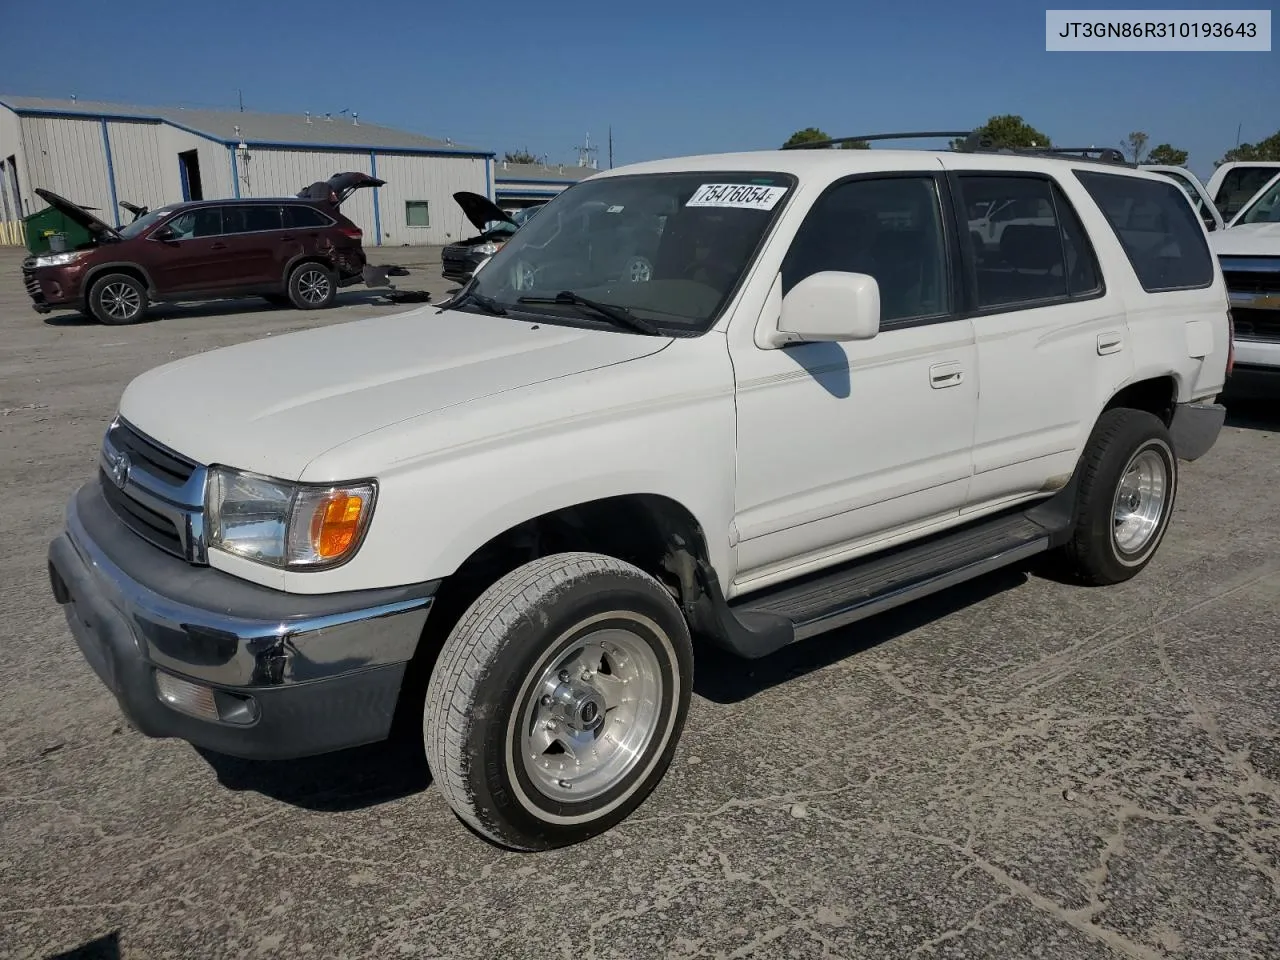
{"type": "Point", "coordinates": [761, 623]}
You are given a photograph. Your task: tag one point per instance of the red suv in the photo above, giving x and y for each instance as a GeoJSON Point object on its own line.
{"type": "Point", "coordinates": [295, 251]}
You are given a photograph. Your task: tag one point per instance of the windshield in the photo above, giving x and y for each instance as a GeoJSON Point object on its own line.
{"type": "Point", "coordinates": [1265, 209]}
{"type": "Point", "coordinates": [145, 222]}
{"type": "Point", "coordinates": [670, 248]}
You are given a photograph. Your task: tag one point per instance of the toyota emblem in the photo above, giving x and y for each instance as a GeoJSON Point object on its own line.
{"type": "Point", "coordinates": [120, 469]}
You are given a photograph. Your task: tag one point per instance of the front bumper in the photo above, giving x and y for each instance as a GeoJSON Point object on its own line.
{"type": "Point", "coordinates": [52, 288]}
{"type": "Point", "coordinates": [290, 675]}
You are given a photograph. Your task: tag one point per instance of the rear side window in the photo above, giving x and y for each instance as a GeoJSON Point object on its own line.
{"type": "Point", "coordinates": [1159, 231]}
{"type": "Point", "coordinates": [304, 217]}
{"type": "Point", "coordinates": [251, 218]}
{"type": "Point", "coordinates": [1031, 250]}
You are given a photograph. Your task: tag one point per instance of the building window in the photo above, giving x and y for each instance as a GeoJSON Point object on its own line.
{"type": "Point", "coordinates": [416, 213]}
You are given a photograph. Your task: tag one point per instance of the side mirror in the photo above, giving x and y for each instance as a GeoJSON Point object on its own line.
{"type": "Point", "coordinates": [164, 233]}
{"type": "Point", "coordinates": [830, 306]}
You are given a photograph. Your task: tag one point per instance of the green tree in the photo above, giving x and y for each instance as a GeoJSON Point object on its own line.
{"type": "Point", "coordinates": [807, 135]}
{"type": "Point", "coordinates": [814, 135]}
{"type": "Point", "coordinates": [1268, 149]}
{"type": "Point", "coordinates": [1009, 131]}
{"type": "Point", "coordinates": [1135, 145]}
{"type": "Point", "coordinates": [519, 156]}
{"type": "Point", "coordinates": [1168, 155]}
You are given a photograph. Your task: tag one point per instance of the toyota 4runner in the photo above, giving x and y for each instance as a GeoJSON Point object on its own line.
{"type": "Point", "coordinates": [509, 517]}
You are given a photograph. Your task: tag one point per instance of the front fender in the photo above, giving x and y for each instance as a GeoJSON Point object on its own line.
{"type": "Point", "coordinates": [661, 425]}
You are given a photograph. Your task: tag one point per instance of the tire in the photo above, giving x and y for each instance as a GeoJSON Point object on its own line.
{"type": "Point", "coordinates": [277, 300]}
{"type": "Point", "coordinates": [117, 298]}
{"type": "Point", "coordinates": [501, 720]}
{"type": "Point", "coordinates": [312, 286]}
{"type": "Point", "coordinates": [1128, 470]}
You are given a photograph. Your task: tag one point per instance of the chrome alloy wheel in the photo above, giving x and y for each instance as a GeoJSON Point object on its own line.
{"type": "Point", "coordinates": [591, 715]}
{"type": "Point", "coordinates": [313, 286]}
{"type": "Point", "coordinates": [120, 301]}
{"type": "Point", "coordinates": [1140, 502]}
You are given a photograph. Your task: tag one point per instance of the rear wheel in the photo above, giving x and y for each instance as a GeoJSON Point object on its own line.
{"type": "Point", "coordinates": [558, 699]}
{"type": "Point", "coordinates": [312, 286]}
{"type": "Point", "coordinates": [1128, 482]}
{"type": "Point", "coordinates": [117, 298]}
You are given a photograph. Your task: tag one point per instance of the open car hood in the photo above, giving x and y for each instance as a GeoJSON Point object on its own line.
{"type": "Point", "coordinates": [481, 211]}
{"type": "Point", "coordinates": [73, 211]}
{"type": "Point", "coordinates": [338, 187]}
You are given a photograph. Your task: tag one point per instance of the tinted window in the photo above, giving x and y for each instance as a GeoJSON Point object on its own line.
{"type": "Point", "coordinates": [304, 217]}
{"type": "Point", "coordinates": [1159, 231]}
{"type": "Point", "coordinates": [1083, 277]}
{"type": "Point", "coordinates": [1238, 187]}
{"type": "Point", "coordinates": [251, 218]}
{"type": "Point", "coordinates": [1266, 209]}
{"type": "Point", "coordinates": [890, 229]}
{"type": "Point", "coordinates": [203, 222]}
{"type": "Point", "coordinates": [1021, 258]}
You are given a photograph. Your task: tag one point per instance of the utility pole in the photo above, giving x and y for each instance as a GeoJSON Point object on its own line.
{"type": "Point", "coordinates": [584, 154]}
{"type": "Point", "coordinates": [1239, 127]}
{"type": "Point", "coordinates": [240, 94]}
{"type": "Point", "coordinates": [610, 146]}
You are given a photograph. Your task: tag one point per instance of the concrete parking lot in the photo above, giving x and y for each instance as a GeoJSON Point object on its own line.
{"type": "Point", "coordinates": [1015, 769]}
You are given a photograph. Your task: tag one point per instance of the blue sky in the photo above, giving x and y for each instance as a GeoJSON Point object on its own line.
{"type": "Point", "coordinates": [671, 78]}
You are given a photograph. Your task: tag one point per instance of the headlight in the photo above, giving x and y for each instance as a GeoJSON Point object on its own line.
{"type": "Point", "coordinates": [58, 259]}
{"type": "Point", "coordinates": [290, 525]}
{"type": "Point", "coordinates": [487, 249]}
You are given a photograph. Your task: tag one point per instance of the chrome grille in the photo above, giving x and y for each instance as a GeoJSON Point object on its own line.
{"type": "Point", "coordinates": [1256, 324]}
{"type": "Point", "coordinates": [156, 492]}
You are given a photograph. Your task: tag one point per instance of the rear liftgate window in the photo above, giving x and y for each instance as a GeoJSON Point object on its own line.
{"type": "Point", "coordinates": [1157, 228]}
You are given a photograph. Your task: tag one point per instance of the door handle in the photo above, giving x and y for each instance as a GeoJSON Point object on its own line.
{"type": "Point", "coordinates": [218, 246]}
{"type": "Point", "coordinates": [286, 239]}
{"type": "Point", "coordinates": [943, 375]}
{"type": "Point", "coordinates": [1109, 343]}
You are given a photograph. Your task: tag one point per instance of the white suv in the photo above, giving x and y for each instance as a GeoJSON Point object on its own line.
{"type": "Point", "coordinates": [508, 519]}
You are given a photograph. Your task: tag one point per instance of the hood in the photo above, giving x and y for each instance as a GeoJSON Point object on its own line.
{"type": "Point", "coordinates": [339, 187]}
{"type": "Point", "coordinates": [274, 405]}
{"type": "Point", "coordinates": [78, 214]}
{"type": "Point", "coordinates": [1247, 240]}
{"type": "Point", "coordinates": [481, 211]}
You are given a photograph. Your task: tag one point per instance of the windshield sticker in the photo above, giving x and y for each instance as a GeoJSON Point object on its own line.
{"type": "Point", "coordinates": [616, 208]}
{"type": "Point", "coordinates": [739, 196]}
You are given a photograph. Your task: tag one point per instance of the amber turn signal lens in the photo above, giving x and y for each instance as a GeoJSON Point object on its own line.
{"type": "Point", "coordinates": [335, 524]}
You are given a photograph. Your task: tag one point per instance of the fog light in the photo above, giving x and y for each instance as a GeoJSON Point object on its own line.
{"type": "Point", "coordinates": [186, 697]}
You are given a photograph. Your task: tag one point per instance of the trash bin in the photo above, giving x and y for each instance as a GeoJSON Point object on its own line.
{"type": "Point", "coordinates": [43, 226]}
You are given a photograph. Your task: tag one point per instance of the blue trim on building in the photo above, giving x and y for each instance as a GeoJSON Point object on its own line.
{"type": "Point", "coordinates": [111, 172]}
{"type": "Point", "coordinates": [231, 141]}
{"type": "Point", "coordinates": [558, 183]}
{"type": "Point", "coordinates": [235, 171]}
{"type": "Point", "coordinates": [377, 210]}
{"type": "Point", "coordinates": [501, 194]}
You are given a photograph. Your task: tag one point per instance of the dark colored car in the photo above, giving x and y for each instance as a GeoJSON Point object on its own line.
{"type": "Point", "coordinates": [297, 250]}
{"type": "Point", "coordinates": [460, 260]}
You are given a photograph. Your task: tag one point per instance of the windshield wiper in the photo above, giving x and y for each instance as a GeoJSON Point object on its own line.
{"type": "Point", "coordinates": [619, 316]}
{"type": "Point", "coordinates": [487, 304]}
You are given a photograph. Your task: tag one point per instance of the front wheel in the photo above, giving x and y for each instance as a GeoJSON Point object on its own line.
{"type": "Point", "coordinates": [1128, 481]}
{"type": "Point", "coordinates": [117, 298]}
{"type": "Point", "coordinates": [558, 699]}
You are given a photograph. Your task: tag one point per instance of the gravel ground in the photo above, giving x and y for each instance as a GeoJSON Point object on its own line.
{"type": "Point", "coordinates": [1014, 769]}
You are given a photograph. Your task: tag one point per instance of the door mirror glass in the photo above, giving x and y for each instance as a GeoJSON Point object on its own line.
{"type": "Point", "coordinates": [831, 305]}
{"type": "Point", "coordinates": [164, 233]}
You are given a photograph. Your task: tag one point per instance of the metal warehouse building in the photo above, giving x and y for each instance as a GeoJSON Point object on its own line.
{"type": "Point", "coordinates": [518, 185]}
{"type": "Point", "coordinates": [99, 154]}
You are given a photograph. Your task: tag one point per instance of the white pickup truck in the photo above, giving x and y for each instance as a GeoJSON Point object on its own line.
{"type": "Point", "coordinates": [507, 519]}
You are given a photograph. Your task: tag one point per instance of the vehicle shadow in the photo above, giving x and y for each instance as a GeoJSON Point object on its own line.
{"type": "Point", "coordinates": [1253, 414]}
{"type": "Point", "coordinates": [103, 948]}
{"type": "Point", "coordinates": [223, 308]}
{"type": "Point", "coordinates": [724, 678]}
{"type": "Point", "coordinates": [333, 783]}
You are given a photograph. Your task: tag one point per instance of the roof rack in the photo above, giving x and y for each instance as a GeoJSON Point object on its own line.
{"type": "Point", "coordinates": [821, 144]}
{"type": "Point", "coordinates": [972, 142]}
